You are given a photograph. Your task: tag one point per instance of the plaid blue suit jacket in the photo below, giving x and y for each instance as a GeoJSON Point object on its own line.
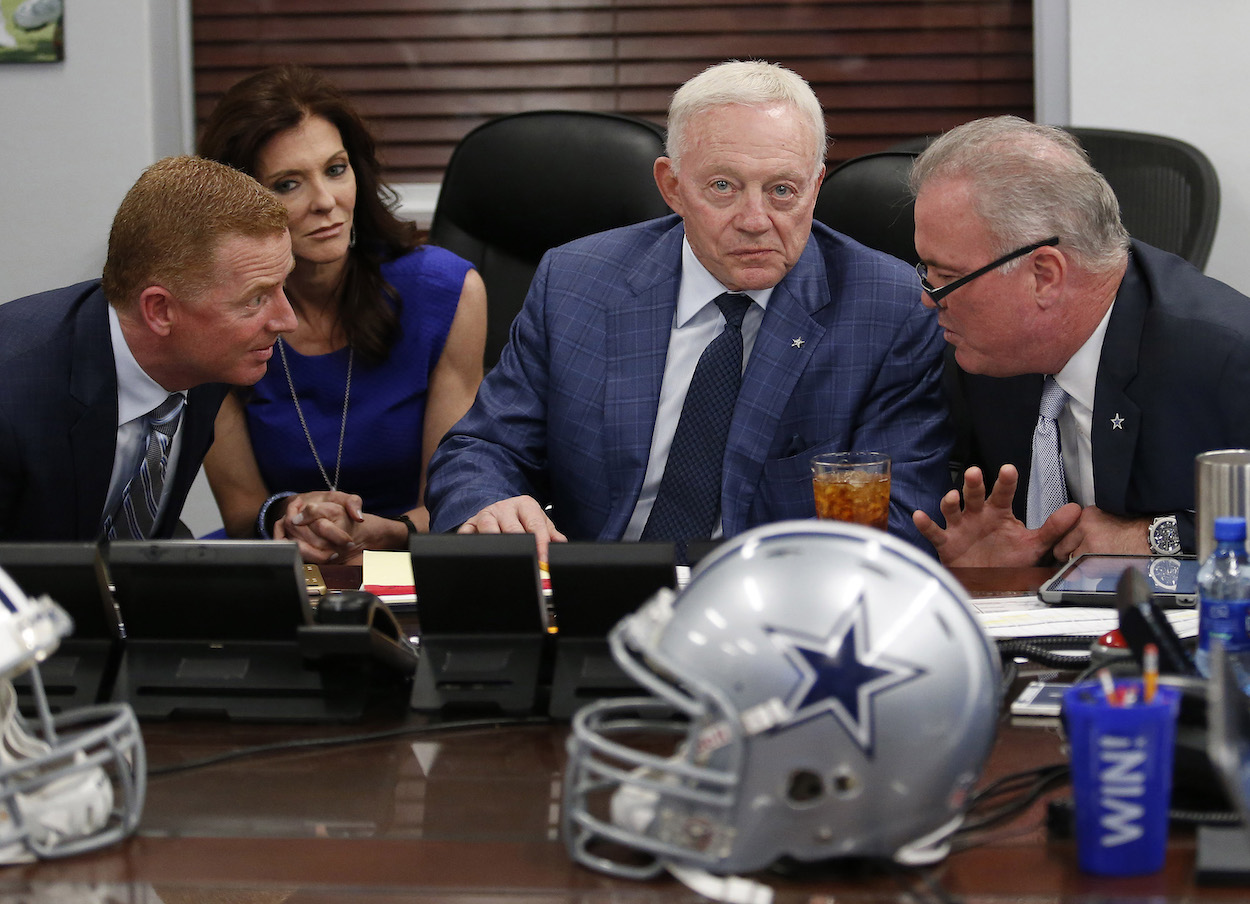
{"type": "Point", "coordinates": [567, 414]}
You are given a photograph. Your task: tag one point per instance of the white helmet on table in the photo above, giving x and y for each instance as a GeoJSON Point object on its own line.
{"type": "Point", "coordinates": [71, 783]}
{"type": "Point", "coordinates": [821, 690]}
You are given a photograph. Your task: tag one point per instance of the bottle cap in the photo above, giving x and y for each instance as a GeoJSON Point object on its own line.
{"type": "Point", "coordinates": [1230, 527]}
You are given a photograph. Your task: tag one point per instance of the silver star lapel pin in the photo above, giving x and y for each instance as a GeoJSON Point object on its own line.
{"type": "Point", "coordinates": [796, 342]}
{"type": "Point", "coordinates": [1117, 422]}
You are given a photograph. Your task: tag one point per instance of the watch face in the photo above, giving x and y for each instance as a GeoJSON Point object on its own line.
{"type": "Point", "coordinates": [1165, 539]}
{"type": "Point", "coordinates": [1165, 572]}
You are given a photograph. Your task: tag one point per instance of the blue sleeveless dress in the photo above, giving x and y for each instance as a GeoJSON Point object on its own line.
{"type": "Point", "coordinates": [386, 412]}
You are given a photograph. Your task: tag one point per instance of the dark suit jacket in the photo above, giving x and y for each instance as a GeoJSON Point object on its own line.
{"type": "Point", "coordinates": [846, 358]}
{"type": "Point", "coordinates": [1174, 376]}
{"type": "Point", "coordinates": [58, 418]}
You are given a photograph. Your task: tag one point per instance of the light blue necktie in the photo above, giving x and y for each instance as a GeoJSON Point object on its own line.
{"type": "Point", "coordinates": [136, 513]}
{"type": "Point", "coordinates": [1048, 488]}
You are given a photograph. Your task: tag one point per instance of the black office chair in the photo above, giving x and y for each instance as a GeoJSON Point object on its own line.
{"type": "Point", "coordinates": [868, 199]}
{"type": "Point", "coordinates": [524, 183]}
{"type": "Point", "coordinates": [1168, 190]}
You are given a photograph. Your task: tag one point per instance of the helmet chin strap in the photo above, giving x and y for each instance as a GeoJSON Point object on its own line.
{"type": "Point", "coordinates": [729, 889]}
{"type": "Point", "coordinates": [929, 849]}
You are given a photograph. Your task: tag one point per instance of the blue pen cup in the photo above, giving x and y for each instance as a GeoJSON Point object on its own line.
{"type": "Point", "coordinates": [1121, 759]}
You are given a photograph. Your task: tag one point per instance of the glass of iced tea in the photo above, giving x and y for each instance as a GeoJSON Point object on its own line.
{"type": "Point", "coordinates": [853, 486]}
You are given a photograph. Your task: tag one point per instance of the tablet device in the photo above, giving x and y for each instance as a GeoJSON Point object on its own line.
{"type": "Point", "coordinates": [1090, 580]}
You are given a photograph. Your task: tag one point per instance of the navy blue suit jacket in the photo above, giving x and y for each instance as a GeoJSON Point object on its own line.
{"type": "Point", "coordinates": [846, 358]}
{"type": "Point", "coordinates": [1173, 381]}
{"type": "Point", "coordinates": [58, 418]}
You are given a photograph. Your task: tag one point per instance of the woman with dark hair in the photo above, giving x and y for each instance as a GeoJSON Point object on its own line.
{"type": "Point", "coordinates": [331, 447]}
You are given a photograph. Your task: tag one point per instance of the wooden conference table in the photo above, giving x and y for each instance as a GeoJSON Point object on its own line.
{"type": "Point", "coordinates": [473, 815]}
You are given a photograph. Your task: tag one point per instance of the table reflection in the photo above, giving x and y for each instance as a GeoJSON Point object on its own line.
{"type": "Point", "coordinates": [481, 784]}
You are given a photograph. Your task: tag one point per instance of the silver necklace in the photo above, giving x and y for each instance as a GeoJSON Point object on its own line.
{"type": "Point", "coordinates": [347, 394]}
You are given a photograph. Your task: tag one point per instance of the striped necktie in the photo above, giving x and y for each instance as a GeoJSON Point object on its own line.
{"type": "Point", "coordinates": [1048, 489]}
{"type": "Point", "coordinates": [136, 513]}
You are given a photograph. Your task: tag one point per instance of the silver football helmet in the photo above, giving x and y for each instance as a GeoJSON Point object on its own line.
{"type": "Point", "coordinates": [821, 690]}
{"type": "Point", "coordinates": [71, 783]}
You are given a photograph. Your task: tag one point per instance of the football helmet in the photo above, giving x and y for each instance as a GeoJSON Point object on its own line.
{"type": "Point", "coordinates": [71, 783]}
{"type": "Point", "coordinates": [820, 690]}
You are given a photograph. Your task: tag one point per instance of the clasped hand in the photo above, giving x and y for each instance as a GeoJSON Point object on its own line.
{"type": "Point", "coordinates": [332, 526]}
{"type": "Point", "coordinates": [983, 530]}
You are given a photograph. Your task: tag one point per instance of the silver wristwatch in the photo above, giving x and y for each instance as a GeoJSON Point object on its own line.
{"type": "Point", "coordinates": [1163, 536]}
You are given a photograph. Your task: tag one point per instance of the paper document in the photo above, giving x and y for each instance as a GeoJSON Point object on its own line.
{"type": "Point", "coordinates": [388, 574]}
{"type": "Point", "coordinates": [1028, 616]}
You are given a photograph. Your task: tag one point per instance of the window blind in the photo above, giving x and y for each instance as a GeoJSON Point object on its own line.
{"type": "Point", "coordinates": [425, 72]}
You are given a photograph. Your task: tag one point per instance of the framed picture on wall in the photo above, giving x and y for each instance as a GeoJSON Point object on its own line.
{"type": "Point", "coordinates": [32, 31]}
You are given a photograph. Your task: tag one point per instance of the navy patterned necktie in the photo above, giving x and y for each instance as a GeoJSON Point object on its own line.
{"type": "Point", "coordinates": [1048, 488]}
{"type": "Point", "coordinates": [136, 513]}
{"type": "Point", "coordinates": [687, 504]}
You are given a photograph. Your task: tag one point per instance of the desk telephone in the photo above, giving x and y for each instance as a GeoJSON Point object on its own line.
{"type": "Point", "coordinates": [226, 628]}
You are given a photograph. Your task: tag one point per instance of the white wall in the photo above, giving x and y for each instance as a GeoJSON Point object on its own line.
{"type": "Point", "coordinates": [1172, 67]}
{"type": "Point", "coordinates": [76, 136]}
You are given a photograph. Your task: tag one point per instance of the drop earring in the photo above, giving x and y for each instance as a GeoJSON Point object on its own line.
{"type": "Point", "coordinates": [351, 239]}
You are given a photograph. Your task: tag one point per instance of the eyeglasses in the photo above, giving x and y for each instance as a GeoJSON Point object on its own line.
{"type": "Point", "coordinates": [937, 293]}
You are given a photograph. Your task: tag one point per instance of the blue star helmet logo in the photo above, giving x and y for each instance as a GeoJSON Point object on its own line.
{"type": "Point", "coordinates": [841, 675]}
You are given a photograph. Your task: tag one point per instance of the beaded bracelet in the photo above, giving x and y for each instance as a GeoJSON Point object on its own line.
{"type": "Point", "coordinates": [264, 526]}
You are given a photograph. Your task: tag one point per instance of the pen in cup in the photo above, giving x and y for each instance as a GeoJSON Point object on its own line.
{"type": "Point", "coordinates": [1108, 686]}
{"type": "Point", "coordinates": [1150, 671]}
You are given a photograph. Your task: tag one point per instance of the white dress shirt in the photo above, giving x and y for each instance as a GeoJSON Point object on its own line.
{"type": "Point", "coordinates": [1079, 379]}
{"type": "Point", "coordinates": [696, 322]}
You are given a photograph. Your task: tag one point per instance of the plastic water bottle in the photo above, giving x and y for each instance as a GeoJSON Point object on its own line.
{"type": "Point", "coordinates": [1224, 598]}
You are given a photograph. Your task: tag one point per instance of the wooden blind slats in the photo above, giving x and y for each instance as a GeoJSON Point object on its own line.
{"type": "Point", "coordinates": [427, 71]}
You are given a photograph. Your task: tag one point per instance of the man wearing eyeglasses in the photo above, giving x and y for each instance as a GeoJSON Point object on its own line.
{"type": "Point", "coordinates": [1093, 367]}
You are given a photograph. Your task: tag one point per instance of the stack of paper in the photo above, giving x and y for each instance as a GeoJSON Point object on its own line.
{"type": "Point", "coordinates": [1028, 616]}
{"type": "Point", "coordinates": [388, 575]}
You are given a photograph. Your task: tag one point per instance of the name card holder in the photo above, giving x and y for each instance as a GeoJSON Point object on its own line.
{"type": "Point", "coordinates": [593, 586]}
{"type": "Point", "coordinates": [483, 622]}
